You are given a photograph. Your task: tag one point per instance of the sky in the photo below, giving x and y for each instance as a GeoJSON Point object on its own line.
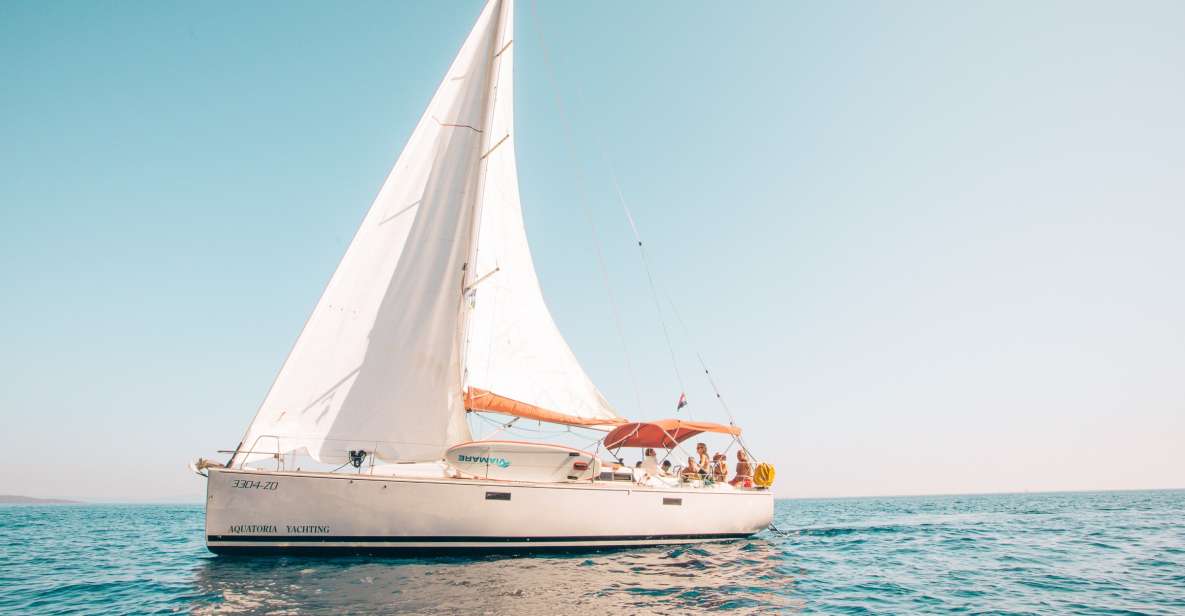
{"type": "Point", "coordinates": [924, 247]}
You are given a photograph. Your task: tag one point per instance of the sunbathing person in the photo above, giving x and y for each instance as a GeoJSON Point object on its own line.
{"type": "Point", "coordinates": [744, 470]}
{"type": "Point", "coordinates": [691, 471]}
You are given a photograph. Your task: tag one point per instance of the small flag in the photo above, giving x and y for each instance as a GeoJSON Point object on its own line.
{"type": "Point", "coordinates": [682, 401]}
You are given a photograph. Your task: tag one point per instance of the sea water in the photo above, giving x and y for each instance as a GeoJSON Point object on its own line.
{"type": "Point", "coordinates": [1086, 553]}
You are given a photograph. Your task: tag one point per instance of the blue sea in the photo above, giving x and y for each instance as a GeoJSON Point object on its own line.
{"type": "Point", "coordinates": [1082, 553]}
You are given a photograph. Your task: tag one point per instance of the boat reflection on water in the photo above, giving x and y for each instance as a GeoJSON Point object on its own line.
{"type": "Point", "coordinates": [742, 576]}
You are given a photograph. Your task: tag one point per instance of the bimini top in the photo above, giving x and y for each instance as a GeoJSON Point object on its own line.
{"type": "Point", "coordinates": [665, 433]}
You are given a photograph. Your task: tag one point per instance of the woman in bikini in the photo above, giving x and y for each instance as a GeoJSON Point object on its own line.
{"type": "Point", "coordinates": [744, 470]}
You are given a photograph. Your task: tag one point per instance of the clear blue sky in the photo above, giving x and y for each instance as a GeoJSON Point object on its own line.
{"type": "Point", "coordinates": [927, 247]}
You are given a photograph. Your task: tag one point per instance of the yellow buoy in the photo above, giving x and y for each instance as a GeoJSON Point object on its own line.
{"type": "Point", "coordinates": [764, 477]}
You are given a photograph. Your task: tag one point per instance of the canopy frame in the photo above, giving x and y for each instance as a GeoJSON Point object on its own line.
{"type": "Point", "coordinates": [665, 433]}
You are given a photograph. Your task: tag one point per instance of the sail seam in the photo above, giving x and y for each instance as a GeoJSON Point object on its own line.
{"type": "Point", "coordinates": [474, 129]}
{"type": "Point", "coordinates": [400, 212]}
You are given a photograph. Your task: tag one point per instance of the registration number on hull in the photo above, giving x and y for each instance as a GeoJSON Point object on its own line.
{"type": "Point", "coordinates": [255, 485]}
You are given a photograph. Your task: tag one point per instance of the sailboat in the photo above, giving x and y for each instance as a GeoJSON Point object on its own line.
{"type": "Point", "coordinates": [433, 317]}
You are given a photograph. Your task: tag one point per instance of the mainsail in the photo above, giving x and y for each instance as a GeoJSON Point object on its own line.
{"type": "Point", "coordinates": [437, 292]}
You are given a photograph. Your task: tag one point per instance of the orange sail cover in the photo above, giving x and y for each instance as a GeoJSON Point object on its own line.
{"type": "Point", "coordinates": [482, 400]}
{"type": "Point", "coordinates": [665, 433]}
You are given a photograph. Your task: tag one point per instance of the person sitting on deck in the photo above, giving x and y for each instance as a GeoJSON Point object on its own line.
{"type": "Point", "coordinates": [744, 476]}
{"type": "Point", "coordinates": [720, 467]}
{"type": "Point", "coordinates": [666, 467]}
{"type": "Point", "coordinates": [650, 463]}
{"type": "Point", "coordinates": [639, 473]}
{"type": "Point", "coordinates": [691, 471]}
{"type": "Point", "coordinates": [705, 465]}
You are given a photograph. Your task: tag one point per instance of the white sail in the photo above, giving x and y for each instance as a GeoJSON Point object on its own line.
{"type": "Point", "coordinates": [377, 366]}
{"type": "Point", "coordinates": [514, 348]}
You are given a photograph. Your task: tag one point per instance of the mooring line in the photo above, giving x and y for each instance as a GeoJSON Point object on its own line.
{"type": "Point", "coordinates": [778, 531]}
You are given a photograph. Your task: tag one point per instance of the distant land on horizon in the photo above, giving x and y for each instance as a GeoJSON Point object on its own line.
{"type": "Point", "coordinates": [15, 499]}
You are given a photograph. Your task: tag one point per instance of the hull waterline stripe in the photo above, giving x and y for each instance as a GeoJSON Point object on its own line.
{"type": "Point", "coordinates": [413, 549]}
{"type": "Point", "coordinates": [445, 539]}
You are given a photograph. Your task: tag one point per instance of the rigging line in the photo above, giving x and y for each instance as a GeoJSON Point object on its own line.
{"type": "Point", "coordinates": [702, 363]}
{"type": "Point", "coordinates": [674, 309]}
{"type": "Point", "coordinates": [650, 278]}
{"type": "Point", "coordinates": [587, 209]}
{"type": "Point", "coordinates": [641, 248]}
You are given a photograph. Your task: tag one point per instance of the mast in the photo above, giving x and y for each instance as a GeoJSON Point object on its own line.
{"type": "Point", "coordinates": [471, 277]}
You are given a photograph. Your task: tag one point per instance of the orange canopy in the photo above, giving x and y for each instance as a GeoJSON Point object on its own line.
{"type": "Point", "coordinates": [663, 433]}
{"type": "Point", "coordinates": [482, 400]}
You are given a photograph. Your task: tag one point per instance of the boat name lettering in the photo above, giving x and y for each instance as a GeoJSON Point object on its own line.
{"type": "Point", "coordinates": [238, 529]}
{"type": "Point", "coordinates": [499, 462]}
{"type": "Point", "coordinates": [256, 485]}
{"type": "Point", "coordinates": [308, 529]}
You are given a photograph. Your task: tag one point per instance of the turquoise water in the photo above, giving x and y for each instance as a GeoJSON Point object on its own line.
{"type": "Point", "coordinates": [1093, 553]}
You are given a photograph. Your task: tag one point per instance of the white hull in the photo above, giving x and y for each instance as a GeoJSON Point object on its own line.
{"type": "Point", "coordinates": [250, 511]}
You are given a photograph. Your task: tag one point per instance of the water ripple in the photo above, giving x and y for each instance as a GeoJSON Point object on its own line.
{"type": "Point", "coordinates": [1104, 553]}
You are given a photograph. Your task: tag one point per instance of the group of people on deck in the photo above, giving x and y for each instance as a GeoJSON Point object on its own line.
{"type": "Point", "coordinates": [702, 467]}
